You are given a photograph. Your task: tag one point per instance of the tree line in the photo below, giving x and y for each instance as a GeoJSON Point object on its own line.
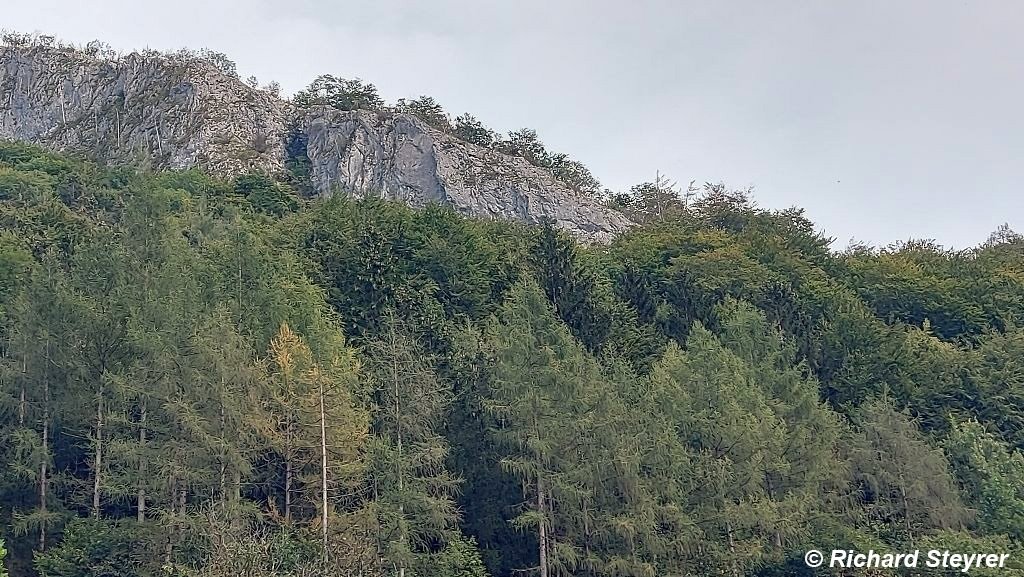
{"type": "Point", "coordinates": [209, 377]}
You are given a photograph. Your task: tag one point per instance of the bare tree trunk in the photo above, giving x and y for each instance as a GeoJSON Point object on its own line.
{"type": "Point", "coordinates": [288, 471]}
{"type": "Point", "coordinates": [398, 429]}
{"type": "Point", "coordinates": [732, 549]}
{"type": "Point", "coordinates": [323, 465]}
{"type": "Point", "coordinates": [770, 490]}
{"type": "Point", "coordinates": [238, 285]}
{"type": "Point", "coordinates": [906, 506]}
{"type": "Point", "coordinates": [22, 401]}
{"type": "Point", "coordinates": [542, 531]}
{"type": "Point", "coordinates": [169, 550]}
{"type": "Point", "coordinates": [223, 451]}
{"type": "Point", "coordinates": [141, 497]}
{"type": "Point", "coordinates": [43, 481]}
{"type": "Point", "coordinates": [236, 486]}
{"type": "Point", "coordinates": [97, 473]}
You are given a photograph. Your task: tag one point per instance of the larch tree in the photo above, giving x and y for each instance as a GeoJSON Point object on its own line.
{"type": "Point", "coordinates": [543, 399]}
{"type": "Point", "coordinates": [904, 481]}
{"type": "Point", "coordinates": [316, 427]}
{"type": "Point", "coordinates": [413, 489]}
{"type": "Point", "coordinates": [40, 320]}
{"type": "Point", "coordinates": [729, 433]}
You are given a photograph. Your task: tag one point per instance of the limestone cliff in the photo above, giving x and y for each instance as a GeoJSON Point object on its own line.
{"type": "Point", "coordinates": [174, 112]}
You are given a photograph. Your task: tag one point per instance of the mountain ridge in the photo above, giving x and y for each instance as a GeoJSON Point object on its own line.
{"type": "Point", "coordinates": [176, 111]}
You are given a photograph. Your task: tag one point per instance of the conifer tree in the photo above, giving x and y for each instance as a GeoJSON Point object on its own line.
{"type": "Point", "coordinates": [98, 346]}
{"type": "Point", "coordinates": [806, 464]}
{"type": "Point", "coordinates": [569, 287]}
{"type": "Point", "coordinates": [40, 329]}
{"type": "Point", "coordinates": [542, 397]}
{"type": "Point", "coordinates": [726, 424]}
{"type": "Point", "coordinates": [991, 474]}
{"type": "Point", "coordinates": [413, 490]}
{"type": "Point", "coordinates": [316, 428]}
{"type": "Point", "coordinates": [904, 482]}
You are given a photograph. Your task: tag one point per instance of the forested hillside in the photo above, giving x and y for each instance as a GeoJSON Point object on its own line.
{"type": "Point", "coordinates": [218, 378]}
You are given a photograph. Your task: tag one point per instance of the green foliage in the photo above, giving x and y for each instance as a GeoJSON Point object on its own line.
{"type": "Point", "coordinates": [432, 267]}
{"type": "Point", "coordinates": [650, 202]}
{"type": "Point", "coordinates": [428, 110]}
{"type": "Point", "coordinates": [220, 61]}
{"type": "Point", "coordinates": [340, 93]}
{"type": "Point", "coordinates": [760, 445]}
{"type": "Point", "coordinates": [526, 144]}
{"type": "Point", "coordinates": [543, 395]}
{"type": "Point", "coordinates": [94, 548]}
{"type": "Point", "coordinates": [963, 541]}
{"type": "Point", "coordinates": [912, 283]}
{"type": "Point", "coordinates": [993, 387]}
{"type": "Point", "coordinates": [23, 185]}
{"type": "Point", "coordinates": [265, 195]}
{"type": "Point", "coordinates": [570, 287]}
{"type": "Point", "coordinates": [468, 128]}
{"type": "Point", "coordinates": [991, 473]}
{"type": "Point", "coordinates": [904, 483]}
{"type": "Point", "coordinates": [15, 265]}
{"type": "Point", "coordinates": [408, 454]}
{"type": "Point", "coordinates": [459, 558]}
{"type": "Point", "coordinates": [208, 377]}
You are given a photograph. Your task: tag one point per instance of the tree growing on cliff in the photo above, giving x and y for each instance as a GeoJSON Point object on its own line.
{"type": "Point", "coordinates": [468, 128]}
{"type": "Point", "coordinates": [574, 174]}
{"type": "Point", "coordinates": [340, 93]}
{"type": "Point", "coordinates": [428, 110]}
{"type": "Point", "coordinates": [526, 144]}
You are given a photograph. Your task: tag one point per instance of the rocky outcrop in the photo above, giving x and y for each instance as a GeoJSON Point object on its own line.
{"type": "Point", "coordinates": [399, 157]}
{"type": "Point", "coordinates": [175, 112]}
{"type": "Point", "coordinates": [162, 111]}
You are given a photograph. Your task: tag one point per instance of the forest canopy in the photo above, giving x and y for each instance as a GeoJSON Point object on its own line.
{"type": "Point", "coordinates": [212, 378]}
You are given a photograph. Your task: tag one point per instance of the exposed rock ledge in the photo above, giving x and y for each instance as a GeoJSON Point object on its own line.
{"type": "Point", "coordinates": [174, 113]}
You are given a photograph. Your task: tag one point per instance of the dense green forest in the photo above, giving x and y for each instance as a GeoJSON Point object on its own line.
{"type": "Point", "coordinates": [218, 378]}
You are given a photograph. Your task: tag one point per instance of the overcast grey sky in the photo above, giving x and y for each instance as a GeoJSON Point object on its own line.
{"type": "Point", "coordinates": [885, 120]}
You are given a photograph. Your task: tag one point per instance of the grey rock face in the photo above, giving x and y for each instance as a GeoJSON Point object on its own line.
{"type": "Point", "coordinates": [175, 113]}
{"type": "Point", "coordinates": [159, 111]}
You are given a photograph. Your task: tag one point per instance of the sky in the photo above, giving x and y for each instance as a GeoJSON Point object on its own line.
{"type": "Point", "coordinates": [885, 120]}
